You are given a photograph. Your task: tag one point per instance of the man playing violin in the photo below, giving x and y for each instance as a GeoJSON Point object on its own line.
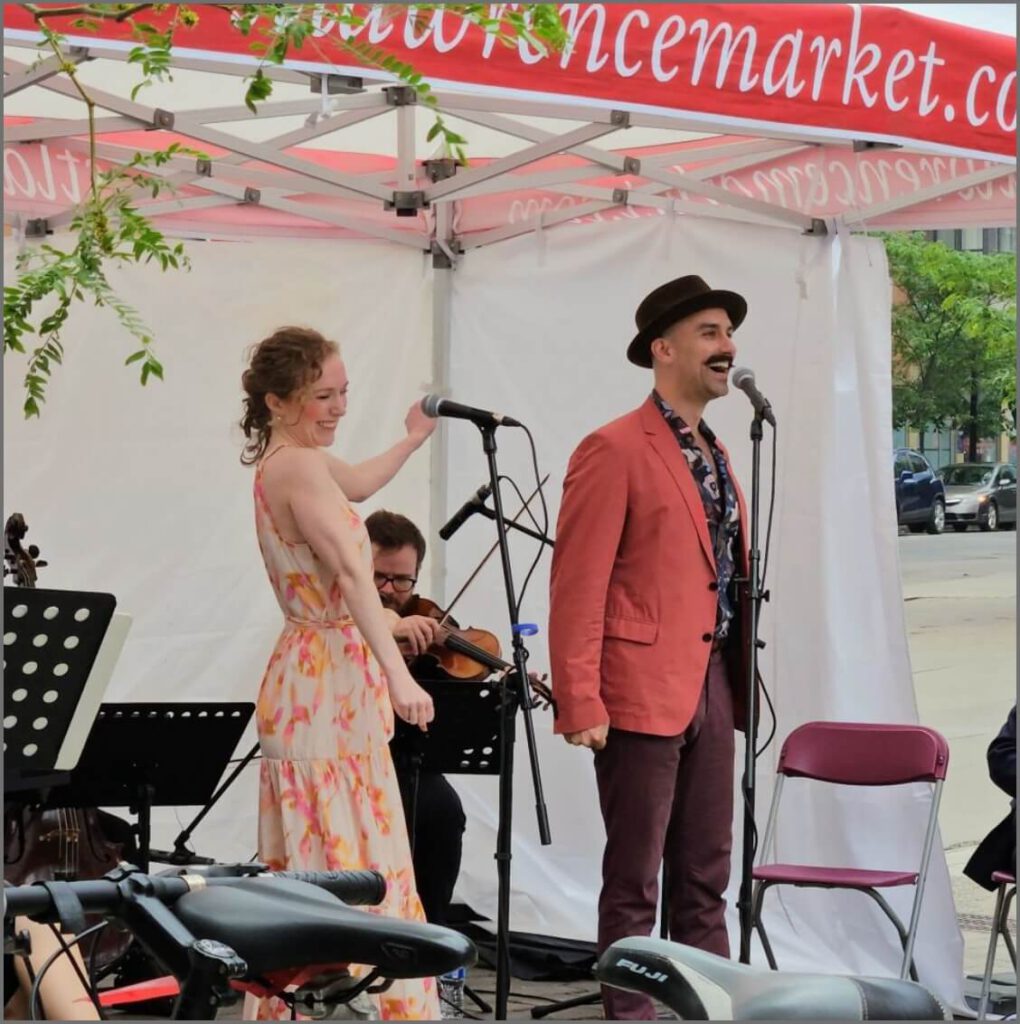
{"type": "Point", "coordinates": [436, 823]}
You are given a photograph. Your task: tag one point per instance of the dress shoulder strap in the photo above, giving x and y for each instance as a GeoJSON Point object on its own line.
{"type": "Point", "coordinates": [266, 458]}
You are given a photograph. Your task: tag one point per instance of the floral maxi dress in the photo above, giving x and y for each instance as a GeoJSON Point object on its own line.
{"type": "Point", "coordinates": [329, 798]}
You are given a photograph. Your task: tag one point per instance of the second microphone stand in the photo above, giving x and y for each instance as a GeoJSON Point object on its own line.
{"type": "Point", "coordinates": [514, 696]}
{"type": "Point", "coordinates": [755, 597]}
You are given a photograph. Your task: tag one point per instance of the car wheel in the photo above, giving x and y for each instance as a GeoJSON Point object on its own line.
{"type": "Point", "coordinates": [937, 520]}
{"type": "Point", "coordinates": [991, 521]}
{"type": "Point", "coordinates": [960, 527]}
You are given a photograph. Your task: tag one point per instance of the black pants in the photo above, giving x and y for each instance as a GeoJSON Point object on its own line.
{"type": "Point", "coordinates": [435, 824]}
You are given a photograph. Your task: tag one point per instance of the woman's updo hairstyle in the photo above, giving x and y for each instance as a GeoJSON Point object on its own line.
{"type": "Point", "coordinates": [286, 362]}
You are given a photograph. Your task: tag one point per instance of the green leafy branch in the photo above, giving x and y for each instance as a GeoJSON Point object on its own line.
{"type": "Point", "coordinates": [107, 226]}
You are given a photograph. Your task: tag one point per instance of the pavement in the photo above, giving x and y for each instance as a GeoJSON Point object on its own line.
{"type": "Point", "coordinates": [960, 599]}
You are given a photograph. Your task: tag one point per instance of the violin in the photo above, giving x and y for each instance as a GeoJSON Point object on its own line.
{"type": "Point", "coordinates": [60, 843]}
{"type": "Point", "coordinates": [468, 654]}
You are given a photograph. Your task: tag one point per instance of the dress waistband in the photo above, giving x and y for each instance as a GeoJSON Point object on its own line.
{"type": "Point", "coordinates": [346, 620]}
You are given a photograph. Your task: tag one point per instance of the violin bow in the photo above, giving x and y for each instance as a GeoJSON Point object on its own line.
{"type": "Point", "coordinates": [490, 552]}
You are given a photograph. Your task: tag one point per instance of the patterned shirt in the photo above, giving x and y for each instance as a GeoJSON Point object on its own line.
{"type": "Point", "coordinates": [721, 510]}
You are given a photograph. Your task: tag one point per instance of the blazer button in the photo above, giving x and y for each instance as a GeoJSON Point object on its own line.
{"type": "Point", "coordinates": [714, 585]}
{"type": "Point", "coordinates": [707, 637]}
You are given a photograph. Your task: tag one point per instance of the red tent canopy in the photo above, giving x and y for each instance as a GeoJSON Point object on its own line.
{"type": "Point", "coordinates": [807, 111]}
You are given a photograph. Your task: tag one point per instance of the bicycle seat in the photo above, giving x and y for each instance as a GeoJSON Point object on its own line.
{"type": "Point", "coordinates": [277, 923]}
{"type": "Point", "coordinates": [702, 986]}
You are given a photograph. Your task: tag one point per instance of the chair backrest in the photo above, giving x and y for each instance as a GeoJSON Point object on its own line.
{"type": "Point", "coordinates": [865, 753]}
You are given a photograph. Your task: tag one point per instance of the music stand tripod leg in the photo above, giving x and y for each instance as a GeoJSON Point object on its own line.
{"type": "Point", "coordinates": [181, 854]}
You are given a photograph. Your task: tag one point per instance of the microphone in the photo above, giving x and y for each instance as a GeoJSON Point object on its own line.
{"type": "Point", "coordinates": [434, 405]}
{"type": "Point", "coordinates": [743, 378]}
{"type": "Point", "coordinates": [466, 511]}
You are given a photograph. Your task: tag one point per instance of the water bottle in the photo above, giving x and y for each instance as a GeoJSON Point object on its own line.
{"type": "Point", "coordinates": [451, 993]}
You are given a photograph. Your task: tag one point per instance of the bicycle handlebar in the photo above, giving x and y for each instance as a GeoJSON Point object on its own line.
{"type": "Point", "coordinates": [248, 930]}
{"type": "Point", "coordinates": [104, 896]}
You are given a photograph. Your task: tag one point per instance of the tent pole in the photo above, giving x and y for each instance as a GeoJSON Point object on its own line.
{"type": "Point", "coordinates": [442, 291]}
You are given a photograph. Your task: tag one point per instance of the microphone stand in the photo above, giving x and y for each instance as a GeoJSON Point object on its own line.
{"type": "Point", "coordinates": [489, 514]}
{"type": "Point", "coordinates": [755, 597]}
{"type": "Point", "coordinates": [514, 695]}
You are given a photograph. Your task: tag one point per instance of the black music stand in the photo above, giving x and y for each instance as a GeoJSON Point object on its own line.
{"type": "Point", "coordinates": [149, 755]}
{"type": "Point", "coordinates": [60, 647]}
{"type": "Point", "coordinates": [463, 739]}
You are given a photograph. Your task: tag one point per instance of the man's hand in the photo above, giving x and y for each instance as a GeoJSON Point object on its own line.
{"type": "Point", "coordinates": [415, 634]}
{"type": "Point", "coordinates": [594, 738]}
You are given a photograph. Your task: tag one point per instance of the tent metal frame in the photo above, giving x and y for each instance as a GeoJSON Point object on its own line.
{"type": "Point", "coordinates": [344, 100]}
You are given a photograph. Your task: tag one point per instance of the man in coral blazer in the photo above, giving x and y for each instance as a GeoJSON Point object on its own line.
{"type": "Point", "coordinates": [645, 628]}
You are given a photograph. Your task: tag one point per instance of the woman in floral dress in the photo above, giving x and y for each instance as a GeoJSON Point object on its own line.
{"type": "Point", "coordinates": [329, 798]}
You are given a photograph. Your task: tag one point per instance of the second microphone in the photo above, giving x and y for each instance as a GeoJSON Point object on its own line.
{"type": "Point", "coordinates": [465, 512]}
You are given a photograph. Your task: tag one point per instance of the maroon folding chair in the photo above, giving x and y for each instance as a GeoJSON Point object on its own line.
{"type": "Point", "coordinates": [856, 754]}
{"type": "Point", "coordinates": [1004, 896]}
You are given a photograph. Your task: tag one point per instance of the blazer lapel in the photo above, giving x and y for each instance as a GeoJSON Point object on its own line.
{"type": "Point", "coordinates": [665, 444]}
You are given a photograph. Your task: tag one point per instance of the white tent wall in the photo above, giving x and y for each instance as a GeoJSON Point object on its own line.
{"type": "Point", "coordinates": [539, 329]}
{"type": "Point", "coordinates": [140, 493]}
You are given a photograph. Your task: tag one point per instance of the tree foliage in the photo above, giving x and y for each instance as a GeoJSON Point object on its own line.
{"type": "Point", "coordinates": [954, 337]}
{"type": "Point", "coordinates": [108, 228]}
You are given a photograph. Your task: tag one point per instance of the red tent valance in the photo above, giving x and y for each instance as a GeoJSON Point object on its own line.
{"type": "Point", "coordinates": [841, 71]}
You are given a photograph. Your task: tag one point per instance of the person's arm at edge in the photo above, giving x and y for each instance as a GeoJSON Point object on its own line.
{"type": "Point", "coordinates": [1002, 756]}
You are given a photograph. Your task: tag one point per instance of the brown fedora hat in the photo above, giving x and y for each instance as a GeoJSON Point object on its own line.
{"type": "Point", "coordinates": [673, 301]}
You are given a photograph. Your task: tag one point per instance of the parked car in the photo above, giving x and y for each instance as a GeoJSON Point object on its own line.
{"type": "Point", "coordinates": [920, 494]}
{"type": "Point", "coordinates": [982, 494]}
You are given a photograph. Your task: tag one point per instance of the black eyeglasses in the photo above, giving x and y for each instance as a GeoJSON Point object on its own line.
{"type": "Point", "coordinates": [402, 584]}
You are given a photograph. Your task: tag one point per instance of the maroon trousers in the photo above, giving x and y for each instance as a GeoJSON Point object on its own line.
{"type": "Point", "coordinates": [668, 800]}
